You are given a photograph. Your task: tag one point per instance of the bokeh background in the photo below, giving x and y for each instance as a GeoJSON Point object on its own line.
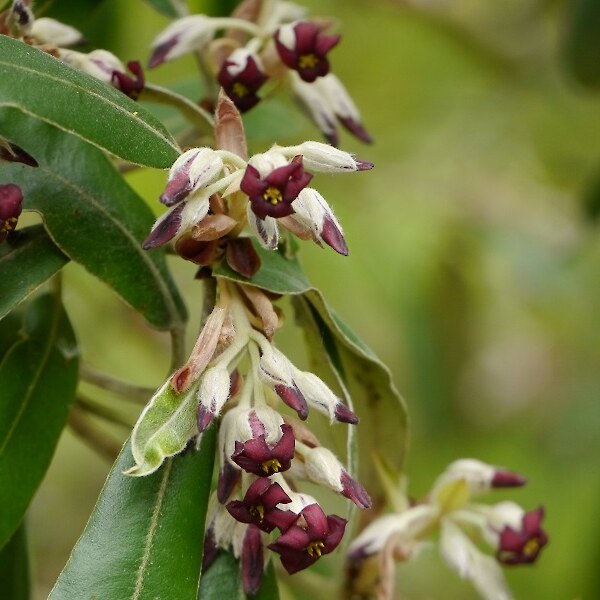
{"type": "Point", "coordinates": [474, 258]}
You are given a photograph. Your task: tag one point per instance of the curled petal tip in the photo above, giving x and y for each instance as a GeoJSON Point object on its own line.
{"type": "Point", "coordinates": [345, 415]}
{"type": "Point", "coordinates": [506, 479]}
{"type": "Point", "coordinates": [363, 165]}
{"type": "Point", "coordinates": [333, 237]}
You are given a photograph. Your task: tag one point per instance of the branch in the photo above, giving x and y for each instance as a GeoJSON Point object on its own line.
{"type": "Point", "coordinates": [88, 431]}
{"type": "Point", "coordinates": [129, 391]}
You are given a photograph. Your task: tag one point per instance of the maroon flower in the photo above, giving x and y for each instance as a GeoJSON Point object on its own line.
{"type": "Point", "coordinates": [301, 546]}
{"type": "Point", "coordinates": [523, 546]}
{"type": "Point", "coordinates": [273, 195]}
{"type": "Point", "coordinates": [259, 506]}
{"type": "Point", "coordinates": [130, 86]}
{"type": "Point", "coordinates": [256, 456]}
{"type": "Point", "coordinates": [11, 203]}
{"type": "Point", "coordinates": [304, 48]}
{"type": "Point", "coordinates": [241, 77]}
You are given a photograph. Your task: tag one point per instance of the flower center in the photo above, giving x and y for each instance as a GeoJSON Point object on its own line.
{"type": "Point", "coordinates": [8, 224]}
{"type": "Point", "coordinates": [531, 547]}
{"type": "Point", "coordinates": [271, 466]}
{"type": "Point", "coordinates": [272, 195]}
{"type": "Point", "coordinates": [258, 512]}
{"type": "Point", "coordinates": [315, 549]}
{"type": "Point", "coordinates": [308, 61]}
{"type": "Point", "coordinates": [239, 89]}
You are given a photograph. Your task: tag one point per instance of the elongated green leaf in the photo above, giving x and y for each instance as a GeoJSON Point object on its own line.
{"type": "Point", "coordinates": [10, 332]}
{"type": "Point", "coordinates": [276, 274]}
{"type": "Point", "coordinates": [47, 90]}
{"type": "Point", "coordinates": [94, 217]}
{"type": "Point", "coordinates": [14, 567]}
{"type": "Point", "coordinates": [582, 42]}
{"type": "Point", "coordinates": [164, 428]}
{"type": "Point", "coordinates": [165, 7]}
{"type": "Point", "coordinates": [144, 539]}
{"type": "Point", "coordinates": [223, 580]}
{"type": "Point", "coordinates": [383, 428]}
{"type": "Point", "coordinates": [26, 262]}
{"type": "Point", "coordinates": [39, 377]}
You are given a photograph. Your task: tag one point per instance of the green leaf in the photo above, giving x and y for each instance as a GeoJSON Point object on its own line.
{"type": "Point", "coordinates": [144, 539]}
{"type": "Point", "coordinates": [39, 376]}
{"type": "Point", "coordinates": [383, 429]}
{"type": "Point", "coordinates": [277, 273]}
{"type": "Point", "coordinates": [223, 580]}
{"type": "Point", "coordinates": [82, 105]}
{"type": "Point", "coordinates": [581, 46]}
{"type": "Point", "coordinates": [163, 429]}
{"type": "Point", "coordinates": [26, 262]}
{"type": "Point", "coordinates": [10, 327]}
{"type": "Point", "coordinates": [93, 216]}
{"type": "Point", "coordinates": [14, 567]}
{"type": "Point", "coordinates": [165, 7]}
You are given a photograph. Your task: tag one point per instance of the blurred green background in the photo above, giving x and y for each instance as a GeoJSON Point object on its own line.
{"type": "Point", "coordinates": [474, 259]}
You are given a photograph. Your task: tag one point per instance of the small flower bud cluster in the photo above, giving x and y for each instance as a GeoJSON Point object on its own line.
{"type": "Point", "coordinates": [275, 42]}
{"type": "Point", "coordinates": [514, 535]}
{"type": "Point", "coordinates": [264, 455]}
{"type": "Point", "coordinates": [274, 187]}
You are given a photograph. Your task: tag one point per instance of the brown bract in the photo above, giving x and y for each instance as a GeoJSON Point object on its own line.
{"type": "Point", "coordinates": [229, 129]}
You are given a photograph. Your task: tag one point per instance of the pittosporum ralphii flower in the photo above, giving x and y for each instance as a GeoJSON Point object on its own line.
{"type": "Point", "coordinates": [272, 185]}
{"type": "Point", "coordinates": [515, 536]}
{"type": "Point", "coordinates": [241, 76]}
{"type": "Point", "coordinates": [11, 204]}
{"type": "Point", "coordinates": [303, 47]}
{"type": "Point", "coordinates": [270, 41]}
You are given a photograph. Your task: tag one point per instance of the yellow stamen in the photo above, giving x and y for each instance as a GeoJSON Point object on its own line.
{"type": "Point", "coordinates": [272, 195]}
{"type": "Point", "coordinates": [240, 90]}
{"type": "Point", "coordinates": [271, 466]}
{"type": "Point", "coordinates": [315, 548]}
{"type": "Point", "coordinates": [531, 547]}
{"type": "Point", "coordinates": [308, 61]}
{"type": "Point", "coordinates": [257, 512]}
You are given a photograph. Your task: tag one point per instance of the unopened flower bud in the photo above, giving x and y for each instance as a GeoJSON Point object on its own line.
{"type": "Point", "coordinates": [193, 170]}
{"type": "Point", "coordinates": [212, 395]}
{"type": "Point", "coordinates": [51, 31]}
{"type": "Point", "coordinates": [20, 18]}
{"type": "Point", "coordinates": [100, 64]}
{"type": "Point", "coordinates": [324, 158]}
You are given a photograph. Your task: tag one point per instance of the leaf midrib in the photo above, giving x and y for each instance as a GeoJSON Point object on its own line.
{"type": "Point", "coordinates": [154, 270]}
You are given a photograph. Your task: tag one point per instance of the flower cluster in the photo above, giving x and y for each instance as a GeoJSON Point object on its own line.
{"type": "Point", "coordinates": [515, 536]}
{"type": "Point", "coordinates": [212, 194]}
{"type": "Point", "coordinates": [55, 37]}
{"type": "Point", "coordinates": [267, 41]}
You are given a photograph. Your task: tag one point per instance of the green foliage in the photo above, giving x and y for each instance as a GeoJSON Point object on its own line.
{"type": "Point", "coordinates": [26, 262]}
{"type": "Point", "coordinates": [14, 567]}
{"type": "Point", "coordinates": [93, 216]}
{"type": "Point", "coordinates": [39, 375]}
{"type": "Point", "coordinates": [582, 42]}
{"type": "Point", "coordinates": [144, 538]}
{"type": "Point", "coordinates": [166, 7]}
{"type": "Point", "coordinates": [104, 116]}
{"type": "Point", "coordinates": [166, 425]}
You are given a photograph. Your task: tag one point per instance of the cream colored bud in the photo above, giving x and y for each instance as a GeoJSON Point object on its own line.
{"type": "Point", "coordinates": [265, 230]}
{"type": "Point", "coordinates": [51, 31]}
{"type": "Point", "coordinates": [325, 158]}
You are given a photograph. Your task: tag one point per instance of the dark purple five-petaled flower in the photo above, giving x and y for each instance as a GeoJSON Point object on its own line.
{"type": "Point", "coordinates": [11, 203]}
{"type": "Point", "coordinates": [301, 546]}
{"type": "Point", "coordinates": [241, 85]}
{"type": "Point", "coordinates": [524, 545]}
{"type": "Point", "coordinates": [273, 195]}
{"type": "Point", "coordinates": [130, 86]}
{"type": "Point", "coordinates": [304, 48]}
{"type": "Point", "coordinates": [259, 506]}
{"type": "Point", "coordinates": [256, 456]}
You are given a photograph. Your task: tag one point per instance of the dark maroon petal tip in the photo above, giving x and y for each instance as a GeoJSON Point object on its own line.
{"type": "Point", "coordinates": [363, 165]}
{"type": "Point", "coordinates": [229, 477]}
{"type": "Point", "coordinates": [333, 237]}
{"type": "Point", "coordinates": [507, 479]}
{"type": "Point", "coordinates": [252, 560]}
{"type": "Point", "coordinates": [344, 414]}
{"type": "Point", "coordinates": [355, 491]}
{"type": "Point", "coordinates": [161, 52]}
{"type": "Point", "coordinates": [166, 230]}
{"type": "Point", "coordinates": [294, 398]}
{"type": "Point", "coordinates": [17, 154]}
{"type": "Point", "coordinates": [356, 129]}
{"type": "Point", "coordinates": [204, 418]}
{"type": "Point", "coordinates": [11, 201]}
